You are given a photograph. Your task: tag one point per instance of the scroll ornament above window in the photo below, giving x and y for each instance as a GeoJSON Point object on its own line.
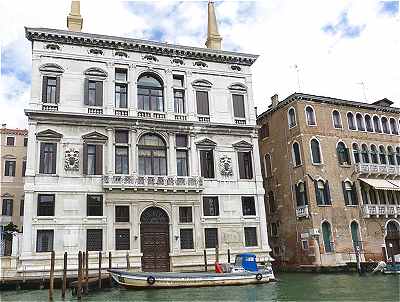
{"type": "Point", "coordinates": [225, 166]}
{"type": "Point", "coordinates": [95, 72]}
{"type": "Point", "coordinates": [53, 46]}
{"type": "Point", "coordinates": [121, 54]}
{"type": "Point", "coordinates": [150, 58]}
{"type": "Point", "coordinates": [177, 61]}
{"type": "Point", "coordinates": [200, 64]}
{"type": "Point", "coordinates": [51, 68]}
{"type": "Point", "coordinates": [71, 160]}
{"type": "Point", "coordinates": [95, 51]}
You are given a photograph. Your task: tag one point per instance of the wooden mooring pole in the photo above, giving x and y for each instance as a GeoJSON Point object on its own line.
{"type": "Point", "coordinates": [99, 270]}
{"type": "Point", "coordinates": [229, 256]}
{"type": "Point", "coordinates": [110, 267]}
{"type": "Point", "coordinates": [86, 289]}
{"type": "Point", "coordinates": [128, 264]}
{"type": "Point", "coordinates": [216, 254]}
{"type": "Point", "coordinates": [51, 285]}
{"type": "Point", "coordinates": [205, 261]}
{"type": "Point", "coordinates": [64, 281]}
{"type": "Point", "coordinates": [79, 286]}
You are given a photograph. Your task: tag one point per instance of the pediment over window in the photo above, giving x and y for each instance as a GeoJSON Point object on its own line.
{"type": "Point", "coordinates": [7, 195]}
{"type": "Point", "coordinates": [51, 68]}
{"type": "Point", "coordinates": [202, 84]}
{"type": "Point", "coordinates": [237, 86]}
{"type": "Point", "coordinates": [121, 54]}
{"type": "Point", "coordinates": [95, 72]}
{"type": "Point", "coordinates": [9, 156]}
{"type": "Point", "coordinates": [206, 143]}
{"type": "Point", "coordinates": [150, 58]}
{"type": "Point", "coordinates": [48, 135]}
{"type": "Point", "coordinates": [243, 145]}
{"type": "Point", "coordinates": [178, 61]}
{"type": "Point", "coordinates": [94, 137]}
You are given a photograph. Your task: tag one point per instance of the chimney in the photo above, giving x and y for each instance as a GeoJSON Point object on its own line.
{"type": "Point", "coordinates": [74, 19]}
{"type": "Point", "coordinates": [213, 37]}
{"type": "Point", "coordinates": [274, 100]}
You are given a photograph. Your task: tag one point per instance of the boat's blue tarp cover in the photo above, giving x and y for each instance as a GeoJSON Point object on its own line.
{"type": "Point", "coordinates": [249, 262]}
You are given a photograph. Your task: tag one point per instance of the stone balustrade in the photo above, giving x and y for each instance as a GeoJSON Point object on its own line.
{"type": "Point", "coordinates": [377, 169]}
{"type": "Point", "coordinates": [302, 211]}
{"type": "Point", "coordinates": [383, 210]}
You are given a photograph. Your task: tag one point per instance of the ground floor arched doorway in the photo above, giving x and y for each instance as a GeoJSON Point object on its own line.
{"type": "Point", "coordinates": [154, 240]}
{"type": "Point", "coordinates": [392, 238]}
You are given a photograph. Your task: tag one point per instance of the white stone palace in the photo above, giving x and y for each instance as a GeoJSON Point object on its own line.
{"type": "Point", "coordinates": [140, 147]}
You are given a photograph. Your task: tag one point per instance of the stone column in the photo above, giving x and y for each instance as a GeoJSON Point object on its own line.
{"type": "Point", "coordinates": [33, 146]}
{"type": "Point", "coordinates": [168, 94]}
{"type": "Point", "coordinates": [132, 90]}
{"type": "Point", "coordinates": [190, 97]}
{"type": "Point", "coordinates": [193, 156]}
{"type": "Point", "coordinates": [109, 90]}
{"type": "Point", "coordinates": [317, 260]}
{"type": "Point", "coordinates": [110, 153]}
{"type": "Point", "coordinates": [133, 156]}
{"type": "Point", "coordinates": [198, 230]}
{"type": "Point", "coordinates": [28, 245]}
{"type": "Point", "coordinates": [110, 225]}
{"type": "Point", "coordinates": [249, 105]}
{"type": "Point", "coordinates": [256, 158]}
{"type": "Point", "coordinates": [172, 154]}
{"type": "Point", "coordinates": [263, 223]}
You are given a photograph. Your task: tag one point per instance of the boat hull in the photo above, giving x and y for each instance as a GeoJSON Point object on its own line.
{"type": "Point", "coordinates": [178, 280]}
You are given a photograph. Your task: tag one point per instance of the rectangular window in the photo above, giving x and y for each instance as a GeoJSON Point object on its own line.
{"type": "Point", "coordinates": [122, 239]}
{"type": "Point", "coordinates": [48, 158]}
{"type": "Point", "coordinates": [10, 141]}
{"type": "Point", "coordinates": [202, 103]}
{"type": "Point", "coordinates": [25, 141]}
{"type": "Point", "coordinates": [211, 237]}
{"type": "Point", "coordinates": [207, 163]}
{"type": "Point", "coordinates": [92, 159]}
{"type": "Point", "coordinates": [304, 244]}
{"type": "Point", "coordinates": [121, 213]}
{"type": "Point", "coordinates": [23, 167]}
{"type": "Point", "coordinates": [21, 208]}
{"type": "Point", "coordinates": [121, 160]}
{"type": "Point", "coordinates": [178, 80]}
{"type": "Point", "coordinates": [186, 236]}
{"type": "Point", "coordinates": [121, 137]}
{"type": "Point", "coordinates": [121, 95]}
{"type": "Point", "coordinates": [9, 169]}
{"type": "Point", "coordinates": [51, 90]}
{"type": "Point", "coordinates": [238, 105]}
{"type": "Point", "coordinates": [121, 75]}
{"type": "Point", "coordinates": [44, 241]}
{"type": "Point", "coordinates": [93, 93]}
{"type": "Point", "coordinates": [185, 214]}
{"type": "Point", "coordinates": [94, 240]}
{"type": "Point", "coordinates": [46, 205]}
{"type": "Point", "coordinates": [7, 208]}
{"type": "Point", "coordinates": [250, 236]}
{"type": "Point", "coordinates": [182, 162]}
{"type": "Point", "coordinates": [181, 140]}
{"type": "Point", "coordinates": [179, 101]}
{"type": "Point", "coordinates": [248, 206]}
{"type": "Point", "coordinates": [245, 165]}
{"type": "Point", "coordinates": [271, 201]}
{"type": "Point", "coordinates": [210, 206]}
{"type": "Point", "coordinates": [94, 205]}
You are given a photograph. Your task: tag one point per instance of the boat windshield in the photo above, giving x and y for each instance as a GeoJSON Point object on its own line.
{"type": "Point", "coordinates": [239, 261]}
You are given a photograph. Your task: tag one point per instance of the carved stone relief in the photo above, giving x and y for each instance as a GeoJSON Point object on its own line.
{"type": "Point", "coordinates": [71, 160]}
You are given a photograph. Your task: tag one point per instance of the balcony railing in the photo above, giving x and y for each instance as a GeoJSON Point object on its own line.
{"type": "Point", "coordinates": [151, 114]}
{"type": "Point", "coordinates": [383, 210]}
{"type": "Point", "coordinates": [377, 169]}
{"type": "Point", "coordinates": [50, 107]}
{"type": "Point", "coordinates": [95, 110]}
{"type": "Point", "coordinates": [240, 121]}
{"type": "Point", "coordinates": [153, 182]}
{"type": "Point", "coordinates": [121, 112]}
{"type": "Point", "coordinates": [302, 211]}
{"type": "Point", "coordinates": [180, 117]}
{"type": "Point", "coordinates": [204, 118]}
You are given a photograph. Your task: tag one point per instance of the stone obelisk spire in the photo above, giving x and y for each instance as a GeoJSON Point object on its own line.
{"type": "Point", "coordinates": [74, 19]}
{"type": "Point", "coordinates": [213, 37]}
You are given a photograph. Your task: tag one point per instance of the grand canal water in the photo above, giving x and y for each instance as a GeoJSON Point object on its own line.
{"type": "Point", "coordinates": [292, 287]}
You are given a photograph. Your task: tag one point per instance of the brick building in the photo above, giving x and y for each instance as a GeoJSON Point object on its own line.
{"type": "Point", "coordinates": [331, 176]}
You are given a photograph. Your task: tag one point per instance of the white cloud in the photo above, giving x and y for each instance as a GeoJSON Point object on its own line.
{"type": "Point", "coordinates": [283, 33]}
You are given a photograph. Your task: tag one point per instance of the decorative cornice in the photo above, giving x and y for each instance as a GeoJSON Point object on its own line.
{"type": "Point", "coordinates": [142, 46]}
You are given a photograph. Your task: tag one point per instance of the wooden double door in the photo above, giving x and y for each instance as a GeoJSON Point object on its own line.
{"type": "Point", "coordinates": [154, 237]}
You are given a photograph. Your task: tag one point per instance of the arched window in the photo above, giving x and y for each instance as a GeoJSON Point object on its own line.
{"type": "Point", "coordinates": [393, 126]}
{"type": "Point", "coordinates": [391, 156]}
{"type": "Point", "coordinates": [398, 157]}
{"type": "Point", "coordinates": [368, 123]}
{"type": "Point", "coordinates": [355, 234]}
{"type": "Point", "coordinates": [377, 124]}
{"type": "Point", "coordinates": [350, 121]}
{"type": "Point", "coordinates": [310, 115]}
{"type": "Point", "coordinates": [327, 236]}
{"type": "Point", "coordinates": [152, 155]}
{"type": "Point", "coordinates": [315, 151]}
{"type": "Point", "coordinates": [150, 93]}
{"type": "Point", "coordinates": [268, 165]}
{"type": "Point", "coordinates": [292, 118]}
{"type": "Point", "coordinates": [349, 193]}
{"type": "Point", "coordinates": [343, 154]}
{"type": "Point", "coordinates": [382, 155]}
{"type": "Point", "coordinates": [337, 121]}
{"type": "Point", "coordinates": [385, 125]}
{"type": "Point", "coordinates": [296, 154]}
{"type": "Point", "coordinates": [365, 153]}
{"type": "Point", "coordinates": [360, 122]}
{"type": "Point", "coordinates": [301, 194]}
{"type": "Point", "coordinates": [356, 153]}
{"type": "Point", "coordinates": [374, 155]}
{"type": "Point", "coordinates": [322, 192]}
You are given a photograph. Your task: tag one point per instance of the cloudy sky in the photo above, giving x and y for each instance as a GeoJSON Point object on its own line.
{"type": "Point", "coordinates": [345, 49]}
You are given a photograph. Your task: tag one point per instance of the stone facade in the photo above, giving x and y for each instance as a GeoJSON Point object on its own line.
{"type": "Point", "coordinates": [296, 220]}
{"type": "Point", "coordinates": [72, 58]}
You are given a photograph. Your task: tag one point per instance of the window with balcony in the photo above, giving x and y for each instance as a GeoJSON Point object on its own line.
{"type": "Point", "coordinates": [186, 236]}
{"type": "Point", "coordinates": [185, 215]}
{"type": "Point", "coordinates": [152, 155]}
{"type": "Point", "coordinates": [25, 141]}
{"type": "Point", "coordinates": [385, 125]}
{"type": "Point", "coordinates": [9, 168]}
{"type": "Point", "coordinates": [10, 141]}
{"type": "Point", "coordinates": [377, 124]}
{"type": "Point", "coordinates": [202, 102]}
{"type": "Point", "coordinates": [121, 152]}
{"type": "Point", "coordinates": [263, 132]}
{"type": "Point", "coordinates": [93, 95]}
{"type": "Point", "coordinates": [92, 159]}
{"type": "Point", "coordinates": [327, 237]}
{"type": "Point", "coordinates": [94, 205]}
{"type": "Point", "coordinates": [48, 158]}
{"type": "Point", "coordinates": [356, 153]}
{"type": "Point", "coordinates": [23, 167]}
{"type": "Point", "coordinates": [274, 229]}
{"type": "Point", "coordinates": [292, 118]}
{"type": "Point", "coordinates": [355, 234]}
{"type": "Point", "coordinates": [7, 207]}
{"type": "Point", "coordinates": [238, 106]}
{"type": "Point", "coordinates": [250, 236]}
{"type": "Point", "coordinates": [301, 194]}
{"type": "Point", "coordinates": [374, 155]}
{"type": "Point", "coordinates": [337, 120]}
{"type": "Point", "coordinates": [368, 123]}
{"type": "Point", "coordinates": [94, 239]}
{"type": "Point", "coordinates": [350, 121]}
{"type": "Point", "coordinates": [245, 165]}
{"type": "Point", "coordinates": [46, 205]}
{"type": "Point", "coordinates": [322, 192]}
{"type": "Point", "coordinates": [268, 165]}
{"type": "Point", "coordinates": [179, 94]}
{"type": "Point", "coordinates": [365, 154]}
{"type": "Point", "coordinates": [296, 154]}
{"type": "Point", "coordinates": [391, 155]}
{"type": "Point", "coordinates": [315, 151]}
{"type": "Point", "coordinates": [360, 122]}
{"type": "Point", "coordinates": [51, 90]}
{"type": "Point", "coordinates": [393, 126]}
{"type": "Point", "coordinates": [121, 88]}
{"type": "Point", "coordinates": [248, 206]}
{"type": "Point", "coordinates": [310, 116]}
{"type": "Point", "coordinates": [207, 163]}
{"type": "Point", "coordinates": [150, 93]}
{"type": "Point", "coordinates": [122, 239]}
{"type": "Point", "coordinates": [343, 154]}
{"type": "Point", "coordinates": [398, 155]}
{"type": "Point", "coordinates": [271, 202]}
{"type": "Point", "coordinates": [44, 240]}
{"type": "Point", "coordinates": [21, 207]}
{"type": "Point", "coordinates": [182, 160]}
{"type": "Point", "coordinates": [121, 213]}
{"type": "Point", "coordinates": [210, 206]}
{"type": "Point", "coordinates": [349, 193]}
{"type": "Point", "coordinates": [211, 237]}
{"type": "Point", "coordinates": [382, 155]}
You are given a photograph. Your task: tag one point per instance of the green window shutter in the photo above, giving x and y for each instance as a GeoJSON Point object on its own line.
{"type": "Point", "coordinates": [86, 92]}
{"type": "Point", "coordinates": [85, 159]}
{"type": "Point", "coordinates": [317, 197]}
{"type": "Point", "coordinates": [99, 160]}
{"type": "Point", "coordinates": [57, 90]}
{"type": "Point", "coordinates": [346, 198]}
{"type": "Point", "coordinates": [297, 192]}
{"type": "Point", "coordinates": [354, 193]}
{"type": "Point", "coordinates": [44, 90]}
{"type": "Point", "coordinates": [41, 163]}
{"type": "Point", "coordinates": [327, 193]}
{"type": "Point", "coordinates": [99, 93]}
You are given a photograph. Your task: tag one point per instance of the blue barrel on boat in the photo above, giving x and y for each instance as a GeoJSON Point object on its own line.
{"type": "Point", "coordinates": [247, 261]}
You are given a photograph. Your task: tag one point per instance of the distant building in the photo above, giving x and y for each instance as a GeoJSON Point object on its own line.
{"type": "Point", "coordinates": [332, 179]}
{"type": "Point", "coordinates": [12, 173]}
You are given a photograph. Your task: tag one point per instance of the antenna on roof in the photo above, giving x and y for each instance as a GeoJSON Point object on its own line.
{"type": "Point", "coordinates": [364, 90]}
{"type": "Point", "coordinates": [298, 76]}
